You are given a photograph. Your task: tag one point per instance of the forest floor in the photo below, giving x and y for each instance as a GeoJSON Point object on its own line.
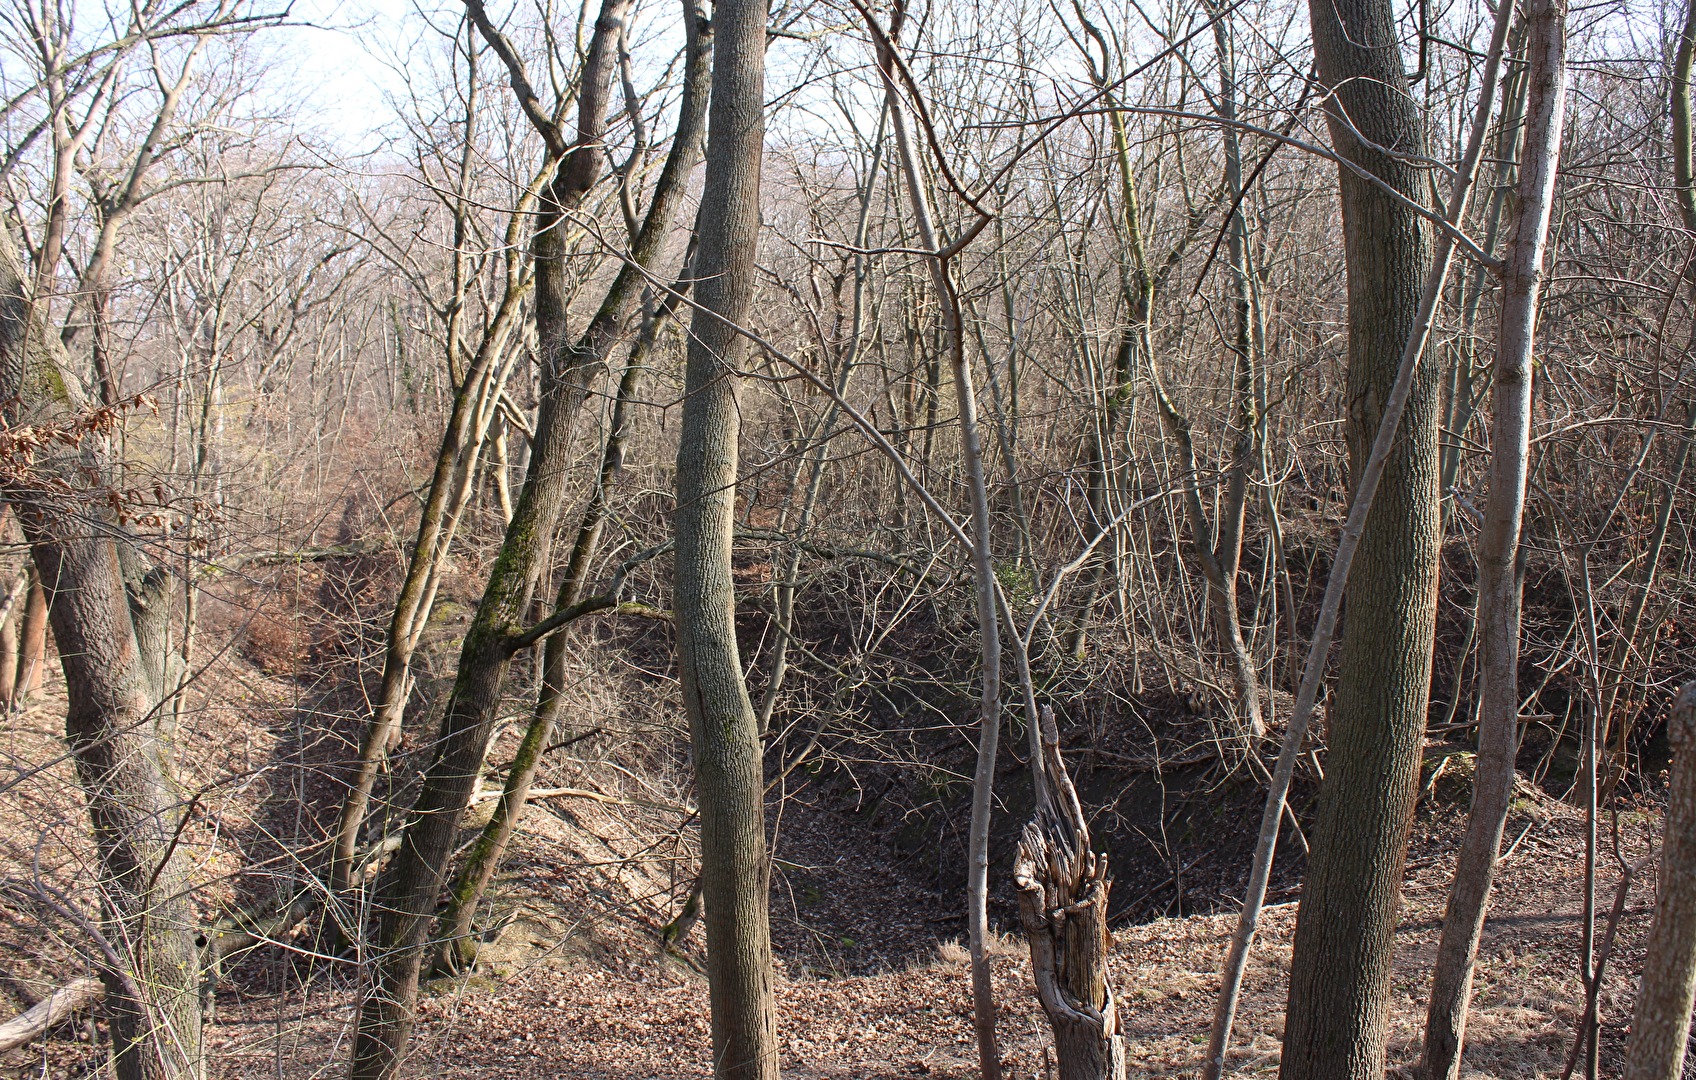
{"type": "Point", "coordinates": [577, 987]}
{"type": "Point", "coordinates": [591, 996]}
{"type": "Point", "coordinates": [643, 1015]}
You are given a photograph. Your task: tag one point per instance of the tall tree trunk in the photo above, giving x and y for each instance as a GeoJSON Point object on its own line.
{"type": "Point", "coordinates": [723, 728]}
{"type": "Point", "coordinates": [1498, 547]}
{"type": "Point", "coordinates": [983, 567]}
{"type": "Point", "coordinates": [409, 890]}
{"type": "Point", "coordinates": [108, 626]}
{"type": "Point", "coordinates": [1660, 1022]}
{"type": "Point", "coordinates": [459, 944]}
{"type": "Point", "coordinates": [1336, 1026]}
{"type": "Point", "coordinates": [1683, 144]}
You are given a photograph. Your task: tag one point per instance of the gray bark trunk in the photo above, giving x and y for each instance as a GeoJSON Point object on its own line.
{"type": "Point", "coordinates": [723, 728]}
{"type": "Point", "coordinates": [1336, 1025]}
{"type": "Point", "coordinates": [112, 725]}
{"type": "Point", "coordinates": [409, 890]}
{"type": "Point", "coordinates": [1498, 547]}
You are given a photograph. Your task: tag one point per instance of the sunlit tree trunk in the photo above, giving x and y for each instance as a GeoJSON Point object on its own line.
{"type": "Point", "coordinates": [723, 729]}
{"type": "Point", "coordinates": [408, 893]}
{"type": "Point", "coordinates": [1498, 546]}
{"type": "Point", "coordinates": [1337, 1023]}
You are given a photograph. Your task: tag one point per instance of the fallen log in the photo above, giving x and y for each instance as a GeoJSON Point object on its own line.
{"type": "Point", "coordinates": [49, 1012]}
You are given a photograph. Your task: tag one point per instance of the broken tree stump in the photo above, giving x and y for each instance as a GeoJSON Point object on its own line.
{"type": "Point", "coordinates": [1063, 888]}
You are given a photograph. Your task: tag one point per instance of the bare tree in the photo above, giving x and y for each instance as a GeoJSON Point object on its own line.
{"type": "Point", "coordinates": [481, 381]}
{"type": "Point", "coordinates": [1498, 547]}
{"type": "Point", "coordinates": [407, 895]}
{"type": "Point", "coordinates": [648, 244]}
{"type": "Point", "coordinates": [108, 620]}
{"type": "Point", "coordinates": [724, 732]}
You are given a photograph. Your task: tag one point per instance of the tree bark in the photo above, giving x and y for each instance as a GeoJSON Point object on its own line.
{"type": "Point", "coordinates": [1660, 1023]}
{"type": "Point", "coordinates": [48, 1013]}
{"type": "Point", "coordinates": [407, 621]}
{"type": "Point", "coordinates": [1683, 145]}
{"type": "Point", "coordinates": [32, 642]}
{"type": "Point", "coordinates": [409, 890]}
{"type": "Point", "coordinates": [723, 728]}
{"type": "Point", "coordinates": [1337, 1020]}
{"type": "Point", "coordinates": [152, 975]}
{"type": "Point", "coordinates": [1384, 446]}
{"type": "Point", "coordinates": [1498, 547]}
{"type": "Point", "coordinates": [1063, 889]}
{"type": "Point", "coordinates": [459, 944]}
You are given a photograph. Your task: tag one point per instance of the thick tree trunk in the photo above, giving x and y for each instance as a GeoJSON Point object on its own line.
{"type": "Point", "coordinates": [1063, 888]}
{"type": "Point", "coordinates": [123, 765]}
{"type": "Point", "coordinates": [723, 728]}
{"type": "Point", "coordinates": [152, 975]}
{"type": "Point", "coordinates": [1368, 476]}
{"type": "Point", "coordinates": [409, 891]}
{"type": "Point", "coordinates": [1498, 547]}
{"type": "Point", "coordinates": [459, 944]}
{"type": "Point", "coordinates": [1660, 1023]}
{"type": "Point", "coordinates": [1337, 1021]}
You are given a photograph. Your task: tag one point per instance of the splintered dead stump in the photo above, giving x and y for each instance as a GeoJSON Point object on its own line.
{"type": "Point", "coordinates": [1062, 887]}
